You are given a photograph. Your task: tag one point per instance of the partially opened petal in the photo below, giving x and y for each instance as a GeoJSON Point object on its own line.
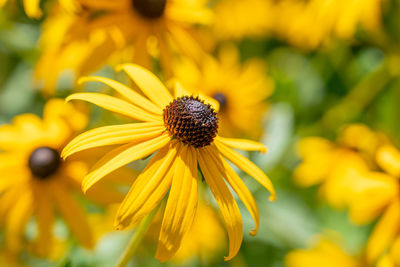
{"type": "Point", "coordinates": [115, 105]}
{"type": "Point", "coordinates": [148, 189]}
{"type": "Point", "coordinates": [151, 86]}
{"type": "Point", "coordinates": [237, 184]}
{"type": "Point", "coordinates": [127, 92]}
{"type": "Point", "coordinates": [73, 215]}
{"type": "Point", "coordinates": [226, 203]}
{"type": "Point", "coordinates": [122, 156]}
{"type": "Point", "coordinates": [113, 135]}
{"type": "Point", "coordinates": [242, 144]}
{"type": "Point", "coordinates": [181, 205]}
{"type": "Point", "coordinates": [247, 166]}
{"type": "Point", "coordinates": [384, 232]}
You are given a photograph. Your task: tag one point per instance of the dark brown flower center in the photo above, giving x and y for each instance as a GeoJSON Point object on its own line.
{"type": "Point", "coordinates": [191, 121]}
{"type": "Point", "coordinates": [150, 9]}
{"type": "Point", "coordinates": [44, 161]}
{"type": "Point", "coordinates": [221, 98]}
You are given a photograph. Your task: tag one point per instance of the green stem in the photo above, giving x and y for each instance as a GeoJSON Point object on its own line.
{"type": "Point", "coordinates": [136, 239]}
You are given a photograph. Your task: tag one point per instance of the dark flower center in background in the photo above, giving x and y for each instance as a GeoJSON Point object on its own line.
{"type": "Point", "coordinates": [191, 121]}
{"type": "Point", "coordinates": [151, 9]}
{"type": "Point", "coordinates": [44, 161]}
{"type": "Point", "coordinates": [221, 98]}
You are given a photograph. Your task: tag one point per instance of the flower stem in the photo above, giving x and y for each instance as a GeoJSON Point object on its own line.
{"type": "Point", "coordinates": [136, 239]}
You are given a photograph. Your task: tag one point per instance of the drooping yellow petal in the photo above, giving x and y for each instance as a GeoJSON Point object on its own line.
{"type": "Point", "coordinates": [181, 205]}
{"type": "Point", "coordinates": [44, 218]}
{"type": "Point", "coordinates": [384, 232]}
{"type": "Point", "coordinates": [238, 185]}
{"type": "Point", "coordinates": [127, 92]}
{"type": "Point", "coordinates": [115, 105]}
{"type": "Point", "coordinates": [247, 166]}
{"type": "Point", "coordinates": [148, 189]}
{"type": "Point", "coordinates": [242, 144]}
{"type": "Point", "coordinates": [73, 215]}
{"type": "Point", "coordinates": [122, 156]}
{"type": "Point", "coordinates": [226, 202]}
{"type": "Point", "coordinates": [151, 86]}
{"type": "Point", "coordinates": [113, 135]}
{"type": "Point", "coordinates": [17, 218]}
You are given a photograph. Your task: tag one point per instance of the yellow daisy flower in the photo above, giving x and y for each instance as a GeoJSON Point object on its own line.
{"type": "Point", "coordinates": [331, 164]}
{"type": "Point", "coordinates": [241, 90]}
{"type": "Point", "coordinates": [325, 253]}
{"type": "Point", "coordinates": [36, 182]}
{"type": "Point", "coordinates": [182, 130]}
{"type": "Point", "coordinates": [122, 30]}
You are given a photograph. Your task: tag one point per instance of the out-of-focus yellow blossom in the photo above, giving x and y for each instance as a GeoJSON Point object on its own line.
{"type": "Point", "coordinates": [32, 7]}
{"type": "Point", "coordinates": [324, 254]}
{"type": "Point", "coordinates": [36, 183]}
{"type": "Point", "coordinates": [182, 132]}
{"type": "Point", "coordinates": [206, 238]}
{"type": "Point", "coordinates": [333, 164]}
{"type": "Point", "coordinates": [123, 30]}
{"type": "Point", "coordinates": [237, 19]}
{"type": "Point", "coordinates": [241, 90]}
{"type": "Point", "coordinates": [306, 24]}
{"type": "Point", "coordinates": [376, 194]}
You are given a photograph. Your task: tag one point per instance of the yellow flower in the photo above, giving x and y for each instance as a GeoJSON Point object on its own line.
{"type": "Point", "coordinates": [32, 7]}
{"type": "Point", "coordinates": [183, 133]}
{"type": "Point", "coordinates": [108, 31]}
{"type": "Point", "coordinates": [240, 90]}
{"type": "Point", "coordinates": [333, 164]}
{"type": "Point", "coordinates": [325, 253]}
{"type": "Point", "coordinates": [376, 194]}
{"type": "Point", "coordinates": [238, 19]}
{"type": "Point", "coordinates": [36, 182]}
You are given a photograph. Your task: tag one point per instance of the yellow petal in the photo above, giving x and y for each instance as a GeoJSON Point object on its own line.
{"type": "Point", "coordinates": [113, 135]}
{"type": "Point", "coordinates": [238, 185]}
{"type": "Point", "coordinates": [388, 158]}
{"type": "Point", "coordinates": [17, 218]}
{"type": "Point", "coordinates": [180, 90]}
{"type": "Point", "coordinates": [32, 8]}
{"type": "Point", "coordinates": [384, 232]}
{"type": "Point", "coordinates": [122, 156]}
{"type": "Point", "coordinates": [247, 166]}
{"type": "Point", "coordinates": [151, 86]}
{"type": "Point", "coordinates": [115, 105]}
{"type": "Point", "coordinates": [229, 209]}
{"type": "Point", "coordinates": [44, 218]}
{"type": "Point", "coordinates": [127, 92]}
{"type": "Point", "coordinates": [148, 189]}
{"type": "Point", "coordinates": [385, 261]}
{"type": "Point", "coordinates": [73, 215]}
{"type": "Point", "coordinates": [181, 205]}
{"type": "Point", "coordinates": [242, 144]}
{"type": "Point", "coordinates": [395, 251]}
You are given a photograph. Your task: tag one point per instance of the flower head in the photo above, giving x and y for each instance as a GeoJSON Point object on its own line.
{"type": "Point", "coordinates": [121, 30]}
{"type": "Point", "coordinates": [182, 132]}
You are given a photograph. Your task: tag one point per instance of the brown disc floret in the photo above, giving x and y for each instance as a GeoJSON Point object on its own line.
{"type": "Point", "coordinates": [191, 121]}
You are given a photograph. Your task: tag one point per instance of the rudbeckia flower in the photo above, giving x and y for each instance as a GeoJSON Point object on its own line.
{"type": "Point", "coordinates": [122, 30]}
{"type": "Point", "coordinates": [36, 183]}
{"type": "Point", "coordinates": [182, 132]}
{"type": "Point", "coordinates": [332, 164]}
{"type": "Point", "coordinates": [325, 253]}
{"type": "Point", "coordinates": [241, 90]}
